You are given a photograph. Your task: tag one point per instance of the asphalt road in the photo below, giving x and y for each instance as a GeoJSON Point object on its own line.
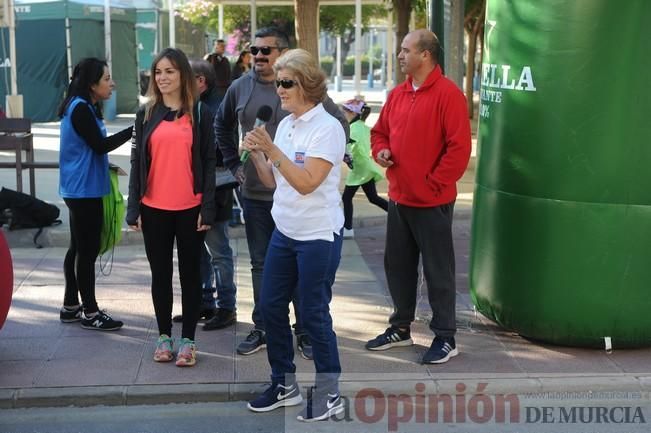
{"type": "Point", "coordinates": [578, 415]}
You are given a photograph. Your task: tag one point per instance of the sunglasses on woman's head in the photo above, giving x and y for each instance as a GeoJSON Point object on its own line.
{"type": "Point", "coordinates": [266, 50]}
{"type": "Point", "coordinates": [287, 84]}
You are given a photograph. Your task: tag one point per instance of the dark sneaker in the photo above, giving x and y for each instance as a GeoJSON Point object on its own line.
{"type": "Point", "coordinates": [70, 316]}
{"type": "Point", "coordinates": [223, 319]}
{"type": "Point", "coordinates": [304, 346]}
{"type": "Point", "coordinates": [100, 322]}
{"type": "Point", "coordinates": [206, 314]}
{"type": "Point", "coordinates": [276, 396]}
{"type": "Point", "coordinates": [392, 337]}
{"type": "Point", "coordinates": [441, 350]}
{"type": "Point", "coordinates": [252, 343]}
{"type": "Point", "coordinates": [321, 408]}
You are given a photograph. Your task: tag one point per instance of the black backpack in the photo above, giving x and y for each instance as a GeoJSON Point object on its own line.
{"type": "Point", "coordinates": [22, 211]}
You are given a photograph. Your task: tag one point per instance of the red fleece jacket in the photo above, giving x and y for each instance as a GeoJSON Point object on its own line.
{"type": "Point", "coordinates": [428, 133]}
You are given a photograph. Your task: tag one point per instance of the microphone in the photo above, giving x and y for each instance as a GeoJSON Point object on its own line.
{"type": "Point", "coordinates": [262, 117]}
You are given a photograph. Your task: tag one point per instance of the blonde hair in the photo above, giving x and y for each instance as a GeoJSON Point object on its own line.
{"type": "Point", "coordinates": [179, 60]}
{"type": "Point", "coordinates": [311, 79]}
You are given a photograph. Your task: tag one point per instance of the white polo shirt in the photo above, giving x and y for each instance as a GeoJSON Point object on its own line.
{"type": "Point", "coordinates": [315, 134]}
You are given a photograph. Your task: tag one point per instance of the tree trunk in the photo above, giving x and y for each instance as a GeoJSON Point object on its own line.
{"type": "Point", "coordinates": [402, 9]}
{"type": "Point", "coordinates": [307, 25]}
{"type": "Point", "coordinates": [475, 32]}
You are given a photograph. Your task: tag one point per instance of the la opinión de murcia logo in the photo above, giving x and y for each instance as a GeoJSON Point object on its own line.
{"type": "Point", "coordinates": [470, 405]}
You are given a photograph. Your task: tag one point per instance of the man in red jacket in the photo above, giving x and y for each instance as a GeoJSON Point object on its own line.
{"type": "Point", "coordinates": [423, 138]}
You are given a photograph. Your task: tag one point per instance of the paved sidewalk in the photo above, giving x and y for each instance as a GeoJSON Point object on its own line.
{"type": "Point", "coordinates": [46, 363]}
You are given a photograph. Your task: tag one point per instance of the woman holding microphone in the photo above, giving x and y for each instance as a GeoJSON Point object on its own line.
{"type": "Point", "coordinates": [304, 165]}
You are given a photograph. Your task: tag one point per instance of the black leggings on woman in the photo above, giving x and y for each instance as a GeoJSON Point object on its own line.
{"type": "Point", "coordinates": [371, 194]}
{"type": "Point", "coordinates": [159, 229]}
{"type": "Point", "coordinates": [86, 217]}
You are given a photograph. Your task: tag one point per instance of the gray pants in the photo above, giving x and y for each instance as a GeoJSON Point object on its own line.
{"type": "Point", "coordinates": [412, 232]}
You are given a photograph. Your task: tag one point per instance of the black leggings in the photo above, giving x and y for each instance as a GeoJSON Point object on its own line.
{"type": "Point", "coordinates": [159, 229]}
{"type": "Point", "coordinates": [371, 194]}
{"type": "Point", "coordinates": [86, 217]}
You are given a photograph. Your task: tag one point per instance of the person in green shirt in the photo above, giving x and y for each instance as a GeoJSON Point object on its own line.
{"type": "Point", "coordinates": [364, 172]}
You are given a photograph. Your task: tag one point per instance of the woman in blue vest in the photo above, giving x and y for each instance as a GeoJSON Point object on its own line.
{"type": "Point", "coordinates": [83, 180]}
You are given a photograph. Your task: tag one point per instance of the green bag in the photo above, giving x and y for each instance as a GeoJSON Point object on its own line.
{"type": "Point", "coordinates": [114, 210]}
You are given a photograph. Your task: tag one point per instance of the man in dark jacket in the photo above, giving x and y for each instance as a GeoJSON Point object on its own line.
{"type": "Point", "coordinates": [222, 68]}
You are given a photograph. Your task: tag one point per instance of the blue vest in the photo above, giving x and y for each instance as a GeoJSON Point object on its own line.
{"type": "Point", "coordinates": [82, 172]}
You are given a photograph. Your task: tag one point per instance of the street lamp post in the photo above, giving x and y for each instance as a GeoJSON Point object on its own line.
{"type": "Point", "coordinates": [437, 24]}
{"type": "Point", "coordinates": [338, 77]}
{"type": "Point", "coordinates": [172, 25]}
{"type": "Point", "coordinates": [369, 77]}
{"type": "Point", "coordinates": [110, 108]}
{"type": "Point", "coordinates": [383, 69]}
{"type": "Point", "coordinates": [14, 101]}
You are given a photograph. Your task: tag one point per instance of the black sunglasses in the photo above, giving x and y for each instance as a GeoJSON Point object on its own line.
{"type": "Point", "coordinates": [266, 50]}
{"type": "Point", "coordinates": [287, 84]}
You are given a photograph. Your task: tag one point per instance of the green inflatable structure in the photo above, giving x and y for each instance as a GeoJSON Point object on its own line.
{"type": "Point", "coordinates": [561, 237]}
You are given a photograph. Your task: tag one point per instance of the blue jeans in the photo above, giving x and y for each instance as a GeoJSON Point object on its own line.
{"type": "Point", "coordinates": [310, 268]}
{"type": "Point", "coordinates": [259, 225]}
{"type": "Point", "coordinates": [221, 256]}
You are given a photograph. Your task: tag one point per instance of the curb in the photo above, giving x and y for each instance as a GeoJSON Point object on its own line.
{"type": "Point", "coordinates": [131, 395]}
{"type": "Point", "coordinates": [126, 395]}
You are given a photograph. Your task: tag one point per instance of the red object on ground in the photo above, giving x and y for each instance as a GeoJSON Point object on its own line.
{"type": "Point", "coordinates": [6, 279]}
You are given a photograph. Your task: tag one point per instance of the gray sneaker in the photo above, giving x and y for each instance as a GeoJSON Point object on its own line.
{"type": "Point", "coordinates": [321, 407]}
{"type": "Point", "coordinates": [252, 343]}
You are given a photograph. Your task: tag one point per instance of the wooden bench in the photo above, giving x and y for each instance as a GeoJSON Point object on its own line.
{"type": "Point", "coordinates": [16, 135]}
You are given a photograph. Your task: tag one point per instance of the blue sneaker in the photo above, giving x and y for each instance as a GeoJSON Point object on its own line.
{"type": "Point", "coordinates": [320, 408]}
{"type": "Point", "coordinates": [392, 337]}
{"type": "Point", "coordinates": [276, 396]}
{"type": "Point", "coordinates": [441, 350]}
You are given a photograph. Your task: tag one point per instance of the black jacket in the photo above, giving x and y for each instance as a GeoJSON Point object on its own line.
{"type": "Point", "coordinates": [203, 160]}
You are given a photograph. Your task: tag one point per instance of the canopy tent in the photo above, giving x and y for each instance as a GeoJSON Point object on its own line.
{"type": "Point", "coordinates": [53, 35]}
{"type": "Point", "coordinates": [147, 31]}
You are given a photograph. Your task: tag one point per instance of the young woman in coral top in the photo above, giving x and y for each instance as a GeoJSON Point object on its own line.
{"type": "Point", "coordinates": [171, 194]}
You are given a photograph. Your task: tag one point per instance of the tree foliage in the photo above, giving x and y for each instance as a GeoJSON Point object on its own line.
{"type": "Point", "coordinates": [237, 18]}
{"type": "Point", "coordinates": [336, 20]}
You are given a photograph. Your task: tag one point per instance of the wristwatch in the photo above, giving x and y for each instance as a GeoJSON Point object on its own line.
{"type": "Point", "coordinates": [276, 163]}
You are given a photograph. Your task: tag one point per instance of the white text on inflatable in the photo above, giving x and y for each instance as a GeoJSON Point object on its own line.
{"type": "Point", "coordinates": [496, 77]}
